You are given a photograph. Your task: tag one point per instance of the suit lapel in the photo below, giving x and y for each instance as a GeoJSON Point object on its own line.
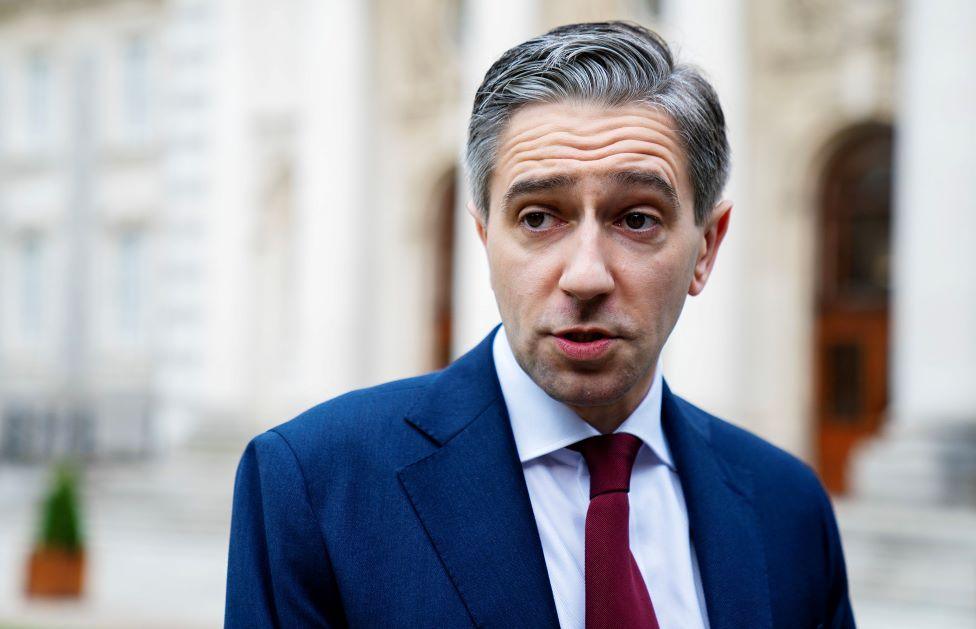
{"type": "Point", "coordinates": [723, 523]}
{"type": "Point", "coordinates": [471, 498]}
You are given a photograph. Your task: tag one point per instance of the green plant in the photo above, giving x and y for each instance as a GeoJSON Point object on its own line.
{"type": "Point", "coordinates": [60, 521]}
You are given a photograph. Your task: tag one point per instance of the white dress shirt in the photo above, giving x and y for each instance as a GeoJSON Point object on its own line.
{"type": "Point", "coordinates": [559, 488]}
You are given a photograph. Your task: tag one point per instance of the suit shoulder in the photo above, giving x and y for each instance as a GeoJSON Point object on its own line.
{"type": "Point", "coordinates": [771, 467]}
{"type": "Point", "coordinates": [358, 414]}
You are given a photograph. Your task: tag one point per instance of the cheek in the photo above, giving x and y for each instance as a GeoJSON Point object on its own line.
{"type": "Point", "coordinates": [521, 280]}
{"type": "Point", "coordinates": [660, 287]}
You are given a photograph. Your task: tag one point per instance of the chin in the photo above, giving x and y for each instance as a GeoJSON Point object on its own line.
{"type": "Point", "coordinates": [587, 390]}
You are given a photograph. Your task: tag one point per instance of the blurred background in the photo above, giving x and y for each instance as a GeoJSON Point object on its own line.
{"type": "Point", "coordinates": [217, 213]}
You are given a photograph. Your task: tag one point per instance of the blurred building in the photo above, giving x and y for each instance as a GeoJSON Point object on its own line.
{"type": "Point", "coordinates": [216, 213]}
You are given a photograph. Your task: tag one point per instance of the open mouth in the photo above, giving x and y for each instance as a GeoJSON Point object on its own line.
{"type": "Point", "coordinates": [584, 337]}
{"type": "Point", "coordinates": [581, 345]}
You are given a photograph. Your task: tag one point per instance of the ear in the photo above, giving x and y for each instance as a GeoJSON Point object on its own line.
{"type": "Point", "coordinates": [715, 228]}
{"type": "Point", "coordinates": [479, 222]}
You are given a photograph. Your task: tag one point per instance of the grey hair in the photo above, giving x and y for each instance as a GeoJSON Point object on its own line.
{"type": "Point", "coordinates": [610, 63]}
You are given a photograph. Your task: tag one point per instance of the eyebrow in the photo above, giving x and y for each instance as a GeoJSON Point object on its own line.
{"type": "Point", "coordinates": [646, 179]}
{"type": "Point", "coordinates": [541, 184]}
{"type": "Point", "coordinates": [631, 178]}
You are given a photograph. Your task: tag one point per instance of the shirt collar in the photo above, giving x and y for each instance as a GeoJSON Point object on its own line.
{"type": "Point", "coordinates": [542, 425]}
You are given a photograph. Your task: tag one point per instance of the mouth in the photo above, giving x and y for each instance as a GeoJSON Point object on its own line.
{"type": "Point", "coordinates": [584, 344]}
{"type": "Point", "coordinates": [583, 337]}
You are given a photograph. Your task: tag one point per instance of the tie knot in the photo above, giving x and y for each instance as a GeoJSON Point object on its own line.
{"type": "Point", "coordinates": [610, 458]}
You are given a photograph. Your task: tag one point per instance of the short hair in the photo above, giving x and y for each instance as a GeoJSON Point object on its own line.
{"type": "Point", "coordinates": [611, 63]}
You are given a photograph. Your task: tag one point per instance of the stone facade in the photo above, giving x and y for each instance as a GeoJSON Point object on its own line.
{"type": "Point", "coordinates": [216, 213]}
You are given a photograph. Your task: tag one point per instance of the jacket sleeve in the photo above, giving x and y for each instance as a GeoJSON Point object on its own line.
{"type": "Point", "coordinates": [839, 612]}
{"type": "Point", "coordinates": [278, 572]}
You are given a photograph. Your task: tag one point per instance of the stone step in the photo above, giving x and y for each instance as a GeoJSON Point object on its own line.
{"type": "Point", "coordinates": [903, 556]}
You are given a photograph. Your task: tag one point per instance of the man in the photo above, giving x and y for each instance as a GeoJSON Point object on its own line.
{"type": "Point", "coordinates": [549, 476]}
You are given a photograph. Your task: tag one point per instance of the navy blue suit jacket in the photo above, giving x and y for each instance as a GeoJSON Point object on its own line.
{"type": "Point", "coordinates": [405, 505]}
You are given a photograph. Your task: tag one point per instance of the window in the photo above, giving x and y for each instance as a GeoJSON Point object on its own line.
{"type": "Point", "coordinates": [130, 254]}
{"type": "Point", "coordinates": [653, 8]}
{"type": "Point", "coordinates": [3, 113]}
{"type": "Point", "coordinates": [31, 262]}
{"type": "Point", "coordinates": [856, 219]}
{"type": "Point", "coordinates": [38, 97]}
{"type": "Point", "coordinates": [135, 89]}
{"type": "Point", "coordinates": [648, 11]}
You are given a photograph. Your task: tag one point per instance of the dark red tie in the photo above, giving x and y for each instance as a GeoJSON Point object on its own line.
{"type": "Point", "coordinates": [616, 595]}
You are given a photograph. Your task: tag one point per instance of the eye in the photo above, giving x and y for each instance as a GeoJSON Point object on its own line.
{"type": "Point", "coordinates": [538, 221]}
{"type": "Point", "coordinates": [638, 221]}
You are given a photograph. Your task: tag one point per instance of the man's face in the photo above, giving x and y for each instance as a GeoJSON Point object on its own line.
{"type": "Point", "coordinates": [592, 247]}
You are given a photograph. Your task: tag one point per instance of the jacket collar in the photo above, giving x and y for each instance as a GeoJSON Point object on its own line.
{"type": "Point", "coordinates": [471, 498]}
{"type": "Point", "coordinates": [542, 425]}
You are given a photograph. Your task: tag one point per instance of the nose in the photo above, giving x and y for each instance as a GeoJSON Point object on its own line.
{"type": "Point", "coordinates": [586, 274]}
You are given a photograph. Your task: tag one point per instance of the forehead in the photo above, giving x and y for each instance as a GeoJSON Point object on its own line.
{"type": "Point", "coordinates": [584, 140]}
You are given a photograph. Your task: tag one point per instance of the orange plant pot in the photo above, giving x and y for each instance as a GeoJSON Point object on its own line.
{"type": "Point", "coordinates": [52, 572]}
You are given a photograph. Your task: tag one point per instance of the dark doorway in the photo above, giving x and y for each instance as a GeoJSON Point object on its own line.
{"type": "Point", "coordinates": [851, 371]}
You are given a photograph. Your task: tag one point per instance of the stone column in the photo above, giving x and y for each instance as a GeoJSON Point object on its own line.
{"type": "Point", "coordinates": [703, 358]}
{"type": "Point", "coordinates": [928, 450]}
{"type": "Point", "coordinates": [228, 214]}
{"type": "Point", "coordinates": [333, 212]}
{"type": "Point", "coordinates": [490, 27]}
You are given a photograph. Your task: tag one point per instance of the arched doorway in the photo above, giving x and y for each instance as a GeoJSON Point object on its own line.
{"type": "Point", "coordinates": [851, 373]}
